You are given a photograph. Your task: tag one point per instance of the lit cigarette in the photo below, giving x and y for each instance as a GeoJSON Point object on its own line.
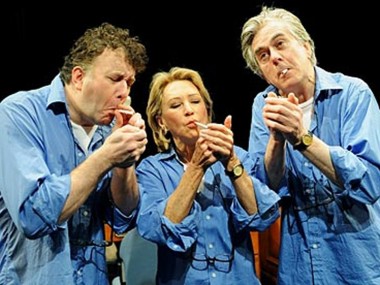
{"type": "Point", "coordinates": [203, 126]}
{"type": "Point", "coordinates": [128, 101]}
{"type": "Point", "coordinates": [127, 112]}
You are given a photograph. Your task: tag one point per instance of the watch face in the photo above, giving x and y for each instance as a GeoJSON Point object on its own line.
{"type": "Point", "coordinates": [238, 170]}
{"type": "Point", "coordinates": [307, 139]}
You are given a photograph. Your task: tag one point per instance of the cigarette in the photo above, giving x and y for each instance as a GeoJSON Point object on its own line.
{"type": "Point", "coordinates": [128, 101]}
{"type": "Point", "coordinates": [127, 112]}
{"type": "Point", "coordinates": [203, 126]}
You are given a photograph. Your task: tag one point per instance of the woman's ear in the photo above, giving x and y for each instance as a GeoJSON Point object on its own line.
{"type": "Point", "coordinates": [160, 121]}
{"type": "Point", "coordinates": [161, 124]}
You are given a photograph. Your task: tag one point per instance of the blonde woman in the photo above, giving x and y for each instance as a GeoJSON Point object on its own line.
{"type": "Point", "coordinates": [199, 197]}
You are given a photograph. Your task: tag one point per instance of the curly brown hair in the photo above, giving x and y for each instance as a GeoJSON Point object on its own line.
{"type": "Point", "coordinates": [95, 40]}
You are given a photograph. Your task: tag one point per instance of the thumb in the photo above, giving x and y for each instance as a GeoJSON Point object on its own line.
{"type": "Point", "coordinates": [272, 94]}
{"type": "Point", "coordinates": [119, 122]}
{"type": "Point", "coordinates": [292, 98]}
{"type": "Point", "coordinates": [228, 122]}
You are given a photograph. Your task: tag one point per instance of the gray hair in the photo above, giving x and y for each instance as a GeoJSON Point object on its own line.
{"type": "Point", "coordinates": [253, 25]}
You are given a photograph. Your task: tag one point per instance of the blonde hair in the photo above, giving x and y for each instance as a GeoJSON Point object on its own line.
{"type": "Point", "coordinates": [154, 108]}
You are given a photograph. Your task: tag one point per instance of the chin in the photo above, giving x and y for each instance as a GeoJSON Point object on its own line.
{"type": "Point", "coordinates": [105, 121]}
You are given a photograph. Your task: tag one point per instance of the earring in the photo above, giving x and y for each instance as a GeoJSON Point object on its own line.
{"type": "Point", "coordinates": [163, 131]}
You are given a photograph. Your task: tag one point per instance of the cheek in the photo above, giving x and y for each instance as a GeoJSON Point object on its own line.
{"type": "Point", "coordinates": [301, 54]}
{"type": "Point", "coordinates": [108, 95]}
{"type": "Point", "coordinates": [267, 70]}
{"type": "Point", "coordinates": [204, 114]}
{"type": "Point", "coordinates": [171, 119]}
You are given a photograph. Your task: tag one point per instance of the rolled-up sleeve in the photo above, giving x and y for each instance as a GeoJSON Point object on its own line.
{"type": "Point", "coordinates": [152, 224]}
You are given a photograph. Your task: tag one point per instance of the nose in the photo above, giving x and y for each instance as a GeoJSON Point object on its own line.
{"type": "Point", "coordinates": [125, 90]}
{"type": "Point", "coordinates": [275, 56]}
{"type": "Point", "coordinates": [188, 108]}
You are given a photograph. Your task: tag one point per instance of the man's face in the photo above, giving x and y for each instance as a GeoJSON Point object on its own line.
{"type": "Point", "coordinates": [284, 61]}
{"type": "Point", "coordinates": [104, 86]}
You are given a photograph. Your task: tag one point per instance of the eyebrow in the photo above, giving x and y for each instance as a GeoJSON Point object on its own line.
{"type": "Point", "coordinates": [191, 95]}
{"type": "Point", "coordinates": [258, 50]}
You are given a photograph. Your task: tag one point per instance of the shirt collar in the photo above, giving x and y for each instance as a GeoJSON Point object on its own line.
{"type": "Point", "coordinates": [324, 81]}
{"type": "Point", "coordinates": [57, 93]}
{"type": "Point", "coordinates": [171, 154]}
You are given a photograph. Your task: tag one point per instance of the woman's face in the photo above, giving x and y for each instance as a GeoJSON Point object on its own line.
{"type": "Point", "coordinates": [182, 105]}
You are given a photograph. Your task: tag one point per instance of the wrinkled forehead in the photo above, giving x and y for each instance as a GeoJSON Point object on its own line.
{"type": "Point", "coordinates": [115, 61]}
{"type": "Point", "coordinates": [269, 31]}
{"type": "Point", "coordinates": [179, 88]}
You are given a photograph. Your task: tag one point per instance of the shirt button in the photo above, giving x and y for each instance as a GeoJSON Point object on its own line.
{"type": "Point", "coordinates": [213, 275]}
{"type": "Point", "coordinates": [208, 217]}
{"type": "Point", "coordinates": [85, 213]}
{"type": "Point", "coordinates": [315, 246]}
{"type": "Point", "coordinates": [210, 245]}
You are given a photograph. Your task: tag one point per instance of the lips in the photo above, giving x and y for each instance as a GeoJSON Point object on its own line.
{"type": "Point", "coordinates": [193, 124]}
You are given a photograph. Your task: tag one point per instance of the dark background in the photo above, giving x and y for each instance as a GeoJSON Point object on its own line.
{"type": "Point", "coordinates": [201, 35]}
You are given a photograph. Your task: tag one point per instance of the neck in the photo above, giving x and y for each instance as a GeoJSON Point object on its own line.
{"type": "Point", "coordinates": [303, 91]}
{"type": "Point", "coordinates": [185, 152]}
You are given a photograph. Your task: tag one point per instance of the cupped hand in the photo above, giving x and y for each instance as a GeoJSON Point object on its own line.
{"type": "Point", "coordinates": [219, 139]}
{"type": "Point", "coordinates": [125, 145]}
{"type": "Point", "coordinates": [283, 117]}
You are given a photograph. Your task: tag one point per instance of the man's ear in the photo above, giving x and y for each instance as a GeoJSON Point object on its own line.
{"type": "Point", "coordinates": [77, 75]}
{"type": "Point", "coordinates": [308, 49]}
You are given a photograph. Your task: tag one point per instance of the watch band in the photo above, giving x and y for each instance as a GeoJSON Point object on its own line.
{"type": "Point", "coordinates": [306, 140]}
{"type": "Point", "coordinates": [236, 171]}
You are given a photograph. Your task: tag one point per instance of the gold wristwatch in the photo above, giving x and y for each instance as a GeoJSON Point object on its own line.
{"type": "Point", "coordinates": [236, 171]}
{"type": "Point", "coordinates": [306, 140]}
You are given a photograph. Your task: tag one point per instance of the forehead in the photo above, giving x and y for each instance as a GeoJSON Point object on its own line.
{"type": "Point", "coordinates": [179, 88]}
{"type": "Point", "coordinates": [114, 61]}
{"type": "Point", "coordinates": [269, 31]}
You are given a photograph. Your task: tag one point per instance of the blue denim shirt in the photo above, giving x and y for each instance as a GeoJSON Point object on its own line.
{"type": "Point", "coordinates": [37, 153]}
{"type": "Point", "coordinates": [330, 234]}
{"type": "Point", "coordinates": [217, 226]}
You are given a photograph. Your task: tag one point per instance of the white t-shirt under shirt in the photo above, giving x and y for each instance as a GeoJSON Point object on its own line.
{"type": "Point", "coordinates": [307, 109]}
{"type": "Point", "coordinates": [82, 136]}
